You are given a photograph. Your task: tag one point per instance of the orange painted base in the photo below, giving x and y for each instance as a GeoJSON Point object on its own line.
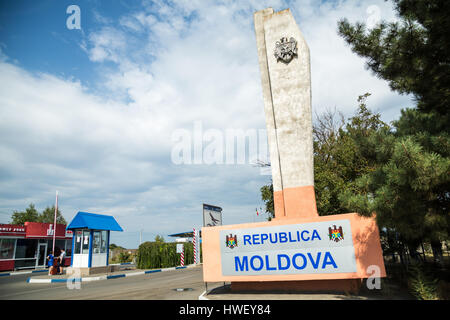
{"type": "Point", "coordinates": [298, 202]}
{"type": "Point", "coordinates": [338, 285]}
{"type": "Point", "coordinates": [366, 241]}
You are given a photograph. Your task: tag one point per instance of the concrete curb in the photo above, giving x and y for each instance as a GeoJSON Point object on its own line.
{"type": "Point", "coordinates": [16, 273]}
{"type": "Point", "coordinates": [21, 272]}
{"type": "Point", "coordinates": [105, 277]}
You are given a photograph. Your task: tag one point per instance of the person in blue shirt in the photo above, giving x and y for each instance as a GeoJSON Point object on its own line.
{"type": "Point", "coordinates": [50, 259]}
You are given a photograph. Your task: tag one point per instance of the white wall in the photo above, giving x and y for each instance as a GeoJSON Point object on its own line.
{"type": "Point", "coordinates": [98, 260]}
{"type": "Point", "coordinates": [80, 260]}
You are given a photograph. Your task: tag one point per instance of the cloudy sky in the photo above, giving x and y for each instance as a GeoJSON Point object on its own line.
{"type": "Point", "coordinates": [93, 112]}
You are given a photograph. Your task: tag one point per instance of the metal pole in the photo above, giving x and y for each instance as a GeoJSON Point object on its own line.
{"type": "Point", "coordinates": [54, 224]}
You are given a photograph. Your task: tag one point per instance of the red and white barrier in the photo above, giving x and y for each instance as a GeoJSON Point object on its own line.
{"type": "Point", "coordinates": [194, 242]}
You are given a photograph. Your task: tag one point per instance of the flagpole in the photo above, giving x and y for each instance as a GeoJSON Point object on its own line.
{"type": "Point", "coordinates": [54, 223]}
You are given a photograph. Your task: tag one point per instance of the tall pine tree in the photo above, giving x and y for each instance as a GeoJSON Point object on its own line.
{"type": "Point", "coordinates": [409, 188]}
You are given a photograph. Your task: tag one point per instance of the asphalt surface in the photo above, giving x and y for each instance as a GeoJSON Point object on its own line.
{"type": "Point", "coordinates": [154, 286]}
{"type": "Point", "coordinates": [181, 284]}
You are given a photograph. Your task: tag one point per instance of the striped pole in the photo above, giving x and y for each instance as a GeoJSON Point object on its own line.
{"type": "Point", "coordinates": [194, 241]}
{"type": "Point", "coordinates": [182, 258]}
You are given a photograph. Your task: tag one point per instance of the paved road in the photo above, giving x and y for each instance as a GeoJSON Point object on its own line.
{"type": "Point", "coordinates": [154, 286]}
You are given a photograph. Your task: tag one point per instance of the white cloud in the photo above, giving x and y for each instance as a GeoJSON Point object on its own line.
{"type": "Point", "coordinates": [175, 63]}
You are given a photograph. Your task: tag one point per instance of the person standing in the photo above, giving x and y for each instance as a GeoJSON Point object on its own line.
{"type": "Point", "coordinates": [50, 259]}
{"type": "Point", "coordinates": [62, 257]}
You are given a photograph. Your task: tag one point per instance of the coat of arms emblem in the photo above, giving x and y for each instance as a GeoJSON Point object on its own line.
{"type": "Point", "coordinates": [285, 49]}
{"type": "Point", "coordinates": [231, 241]}
{"type": "Point", "coordinates": [336, 234]}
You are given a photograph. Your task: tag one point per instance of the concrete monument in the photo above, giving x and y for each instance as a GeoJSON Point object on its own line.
{"type": "Point", "coordinates": [286, 83]}
{"type": "Point", "coordinates": [298, 250]}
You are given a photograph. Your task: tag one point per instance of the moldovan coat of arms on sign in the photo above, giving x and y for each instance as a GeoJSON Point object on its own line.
{"type": "Point", "coordinates": [285, 49]}
{"type": "Point", "coordinates": [335, 234]}
{"type": "Point", "coordinates": [231, 241]}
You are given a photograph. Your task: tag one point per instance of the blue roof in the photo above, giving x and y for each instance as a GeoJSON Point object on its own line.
{"type": "Point", "coordinates": [94, 221]}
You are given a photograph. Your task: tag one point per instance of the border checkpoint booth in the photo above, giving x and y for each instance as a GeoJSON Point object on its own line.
{"type": "Point", "coordinates": [90, 243]}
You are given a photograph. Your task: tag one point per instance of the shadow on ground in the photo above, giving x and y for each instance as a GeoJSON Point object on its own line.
{"type": "Point", "coordinates": [389, 291]}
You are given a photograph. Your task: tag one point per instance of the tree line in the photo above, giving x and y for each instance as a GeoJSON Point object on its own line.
{"type": "Point", "coordinates": [32, 215]}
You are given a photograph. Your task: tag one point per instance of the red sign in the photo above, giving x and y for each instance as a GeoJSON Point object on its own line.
{"type": "Point", "coordinates": [35, 230]}
{"type": "Point", "coordinates": [46, 230]}
{"type": "Point", "coordinates": [12, 230]}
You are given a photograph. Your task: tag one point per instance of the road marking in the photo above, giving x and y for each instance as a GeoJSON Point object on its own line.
{"type": "Point", "coordinates": [202, 296]}
{"type": "Point", "coordinates": [29, 280]}
{"type": "Point", "coordinates": [93, 278]}
{"type": "Point", "coordinates": [134, 274]}
{"type": "Point", "coordinates": [168, 269]}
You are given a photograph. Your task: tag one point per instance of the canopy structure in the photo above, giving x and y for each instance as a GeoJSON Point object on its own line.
{"type": "Point", "coordinates": [93, 221]}
{"type": "Point", "coordinates": [187, 234]}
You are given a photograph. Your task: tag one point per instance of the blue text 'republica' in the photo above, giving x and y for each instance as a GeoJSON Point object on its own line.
{"type": "Point", "coordinates": [280, 237]}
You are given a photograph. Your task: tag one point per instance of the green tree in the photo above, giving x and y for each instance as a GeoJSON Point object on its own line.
{"type": "Point", "coordinates": [159, 239]}
{"type": "Point", "coordinates": [48, 216]}
{"type": "Point", "coordinates": [124, 256]}
{"type": "Point", "coordinates": [159, 254]}
{"type": "Point", "coordinates": [30, 214]}
{"type": "Point", "coordinates": [412, 55]}
{"type": "Point", "coordinates": [267, 197]}
{"type": "Point", "coordinates": [337, 160]}
{"type": "Point", "coordinates": [409, 187]}
{"type": "Point", "coordinates": [113, 246]}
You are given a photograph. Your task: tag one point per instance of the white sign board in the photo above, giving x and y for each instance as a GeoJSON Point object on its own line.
{"type": "Point", "coordinates": [212, 216]}
{"type": "Point", "coordinates": [309, 248]}
{"type": "Point", "coordinates": [179, 248]}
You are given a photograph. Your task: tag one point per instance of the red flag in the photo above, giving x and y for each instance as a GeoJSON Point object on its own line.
{"type": "Point", "coordinates": [257, 213]}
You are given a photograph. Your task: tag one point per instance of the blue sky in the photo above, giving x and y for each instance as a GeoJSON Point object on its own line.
{"type": "Point", "coordinates": [92, 112]}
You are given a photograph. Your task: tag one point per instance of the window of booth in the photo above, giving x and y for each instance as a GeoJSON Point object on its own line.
{"type": "Point", "coordinates": [59, 244]}
{"type": "Point", "coordinates": [103, 245]}
{"type": "Point", "coordinates": [78, 241]}
{"type": "Point", "coordinates": [68, 248]}
{"type": "Point", "coordinates": [85, 244]}
{"type": "Point", "coordinates": [7, 248]}
{"type": "Point", "coordinates": [26, 248]}
{"type": "Point", "coordinates": [97, 241]}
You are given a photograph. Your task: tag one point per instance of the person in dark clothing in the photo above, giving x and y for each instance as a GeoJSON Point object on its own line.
{"type": "Point", "coordinates": [62, 257]}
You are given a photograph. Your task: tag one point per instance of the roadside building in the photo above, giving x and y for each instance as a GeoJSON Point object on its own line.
{"type": "Point", "coordinates": [28, 245]}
